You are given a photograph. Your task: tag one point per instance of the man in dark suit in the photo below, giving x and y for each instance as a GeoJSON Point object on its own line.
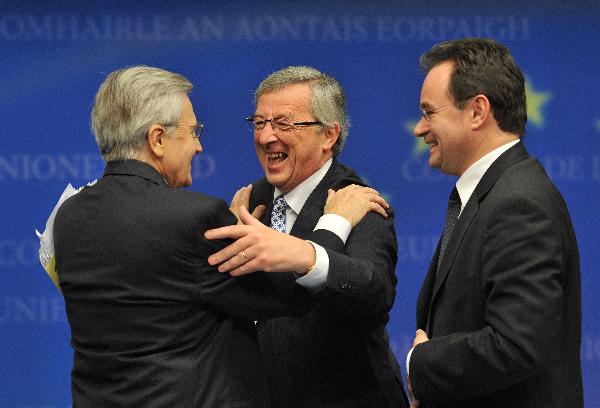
{"type": "Point", "coordinates": [338, 354]}
{"type": "Point", "coordinates": [152, 323]}
{"type": "Point", "coordinates": [499, 314]}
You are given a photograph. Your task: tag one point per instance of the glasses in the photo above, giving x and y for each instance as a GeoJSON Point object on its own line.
{"type": "Point", "coordinates": [196, 129]}
{"type": "Point", "coordinates": [284, 124]}
{"type": "Point", "coordinates": [426, 114]}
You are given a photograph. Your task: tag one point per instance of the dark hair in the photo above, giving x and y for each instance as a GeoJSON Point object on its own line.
{"type": "Point", "coordinates": [483, 66]}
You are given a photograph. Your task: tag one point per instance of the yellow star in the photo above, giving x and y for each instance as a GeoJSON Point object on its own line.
{"type": "Point", "coordinates": [535, 103]}
{"type": "Point", "coordinates": [420, 146]}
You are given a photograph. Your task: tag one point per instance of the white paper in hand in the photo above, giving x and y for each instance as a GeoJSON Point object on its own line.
{"type": "Point", "coordinates": [46, 252]}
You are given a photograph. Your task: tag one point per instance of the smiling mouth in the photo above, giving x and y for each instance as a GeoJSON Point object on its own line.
{"type": "Point", "coordinates": [276, 158]}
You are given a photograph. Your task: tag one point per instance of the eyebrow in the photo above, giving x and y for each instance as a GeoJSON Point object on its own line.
{"type": "Point", "coordinates": [426, 106]}
{"type": "Point", "coordinates": [282, 116]}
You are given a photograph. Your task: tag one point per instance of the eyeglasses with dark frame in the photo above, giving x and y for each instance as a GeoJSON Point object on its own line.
{"type": "Point", "coordinates": [196, 131]}
{"type": "Point", "coordinates": [258, 123]}
{"type": "Point", "coordinates": [426, 114]}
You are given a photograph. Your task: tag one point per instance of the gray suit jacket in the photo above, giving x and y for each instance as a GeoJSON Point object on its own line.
{"type": "Point", "coordinates": [503, 311]}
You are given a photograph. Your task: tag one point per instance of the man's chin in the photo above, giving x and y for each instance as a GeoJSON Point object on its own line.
{"type": "Point", "coordinates": [187, 182]}
{"type": "Point", "coordinates": [275, 180]}
{"type": "Point", "coordinates": [435, 163]}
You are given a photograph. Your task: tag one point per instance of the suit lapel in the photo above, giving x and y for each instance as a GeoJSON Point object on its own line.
{"type": "Point", "coordinates": [512, 156]}
{"type": "Point", "coordinates": [314, 205]}
{"type": "Point", "coordinates": [262, 194]}
{"type": "Point", "coordinates": [454, 243]}
{"type": "Point", "coordinates": [336, 177]}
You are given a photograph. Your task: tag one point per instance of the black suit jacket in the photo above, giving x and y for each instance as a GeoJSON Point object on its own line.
{"type": "Point", "coordinates": [337, 355]}
{"type": "Point", "coordinates": [152, 324]}
{"type": "Point", "coordinates": [503, 312]}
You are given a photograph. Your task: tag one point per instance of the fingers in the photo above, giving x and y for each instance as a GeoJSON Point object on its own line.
{"type": "Point", "coordinates": [248, 219]}
{"type": "Point", "coordinates": [259, 211]}
{"type": "Point", "coordinates": [232, 255]}
{"type": "Point", "coordinates": [230, 231]}
{"type": "Point", "coordinates": [246, 268]}
{"type": "Point", "coordinates": [369, 193]}
{"type": "Point", "coordinates": [236, 199]}
{"type": "Point", "coordinates": [420, 337]}
{"type": "Point", "coordinates": [223, 255]}
{"type": "Point", "coordinates": [245, 196]}
{"type": "Point", "coordinates": [377, 208]}
{"type": "Point", "coordinates": [240, 198]}
{"type": "Point", "coordinates": [379, 199]}
{"type": "Point", "coordinates": [330, 194]}
{"type": "Point", "coordinates": [374, 196]}
{"type": "Point", "coordinates": [237, 264]}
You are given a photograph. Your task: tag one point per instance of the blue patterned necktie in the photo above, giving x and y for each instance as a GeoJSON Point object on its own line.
{"type": "Point", "coordinates": [278, 214]}
{"type": "Point", "coordinates": [451, 218]}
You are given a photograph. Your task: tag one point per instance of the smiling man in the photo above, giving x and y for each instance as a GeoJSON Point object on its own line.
{"type": "Point", "coordinates": [338, 354]}
{"type": "Point", "coordinates": [499, 313]}
{"type": "Point", "coordinates": [152, 323]}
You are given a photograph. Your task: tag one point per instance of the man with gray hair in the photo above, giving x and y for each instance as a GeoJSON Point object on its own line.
{"type": "Point", "coordinates": [152, 323]}
{"type": "Point", "coordinates": [337, 354]}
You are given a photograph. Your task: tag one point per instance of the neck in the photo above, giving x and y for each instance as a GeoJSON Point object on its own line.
{"type": "Point", "coordinates": [148, 158]}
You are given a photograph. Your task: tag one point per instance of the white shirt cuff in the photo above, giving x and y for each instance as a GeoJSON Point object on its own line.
{"type": "Point", "coordinates": [408, 361]}
{"type": "Point", "coordinates": [336, 224]}
{"type": "Point", "coordinates": [316, 279]}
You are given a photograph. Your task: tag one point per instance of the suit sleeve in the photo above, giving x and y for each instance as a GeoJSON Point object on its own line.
{"type": "Point", "coordinates": [361, 281]}
{"type": "Point", "coordinates": [253, 296]}
{"type": "Point", "coordinates": [523, 271]}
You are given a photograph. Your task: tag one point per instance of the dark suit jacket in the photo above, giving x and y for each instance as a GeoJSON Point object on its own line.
{"type": "Point", "coordinates": [338, 354]}
{"type": "Point", "coordinates": [503, 312]}
{"type": "Point", "coordinates": [152, 324]}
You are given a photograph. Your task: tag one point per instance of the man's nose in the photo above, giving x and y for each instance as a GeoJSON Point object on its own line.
{"type": "Point", "coordinates": [421, 128]}
{"type": "Point", "coordinates": [265, 136]}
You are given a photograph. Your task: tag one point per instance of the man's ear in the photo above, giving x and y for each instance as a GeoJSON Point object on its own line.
{"type": "Point", "coordinates": [481, 111]}
{"type": "Point", "coordinates": [156, 140]}
{"type": "Point", "coordinates": [331, 136]}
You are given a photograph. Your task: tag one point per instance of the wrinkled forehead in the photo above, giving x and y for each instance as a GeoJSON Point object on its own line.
{"type": "Point", "coordinates": [290, 100]}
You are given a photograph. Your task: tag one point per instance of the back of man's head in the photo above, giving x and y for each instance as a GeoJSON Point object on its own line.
{"type": "Point", "coordinates": [484, 66]}
{"type": "Point", "coordinates": [128, 102]}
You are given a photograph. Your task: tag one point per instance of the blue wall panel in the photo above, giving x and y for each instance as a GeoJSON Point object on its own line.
{"type": "Point", "coordinates": [55, 55]}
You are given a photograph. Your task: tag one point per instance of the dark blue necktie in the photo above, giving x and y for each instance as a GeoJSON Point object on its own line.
{"type": "Point", "coordinates": [278, 214]}
{"type": "Point", "coordinates": [452, 214]}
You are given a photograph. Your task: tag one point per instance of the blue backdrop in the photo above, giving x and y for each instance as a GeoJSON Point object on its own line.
{"type": "Point", "coordinates": [54, 56]}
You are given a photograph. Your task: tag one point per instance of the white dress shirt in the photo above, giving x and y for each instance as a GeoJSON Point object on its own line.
{"type": "Point", "coordinates": [295, 199]}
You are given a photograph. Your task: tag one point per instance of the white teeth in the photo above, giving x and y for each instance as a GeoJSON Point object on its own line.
{"type": "Point", "coordinates": [273, 156]}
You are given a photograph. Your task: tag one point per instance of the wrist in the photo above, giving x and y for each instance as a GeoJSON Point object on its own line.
{"type": "Point", "coordinates": [310, 260]}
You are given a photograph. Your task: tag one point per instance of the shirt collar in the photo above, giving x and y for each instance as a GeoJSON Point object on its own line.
{"type": "Point", "coordinates": [468, 181]}
{"type": "Point", "coordinates": [296, 198]}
